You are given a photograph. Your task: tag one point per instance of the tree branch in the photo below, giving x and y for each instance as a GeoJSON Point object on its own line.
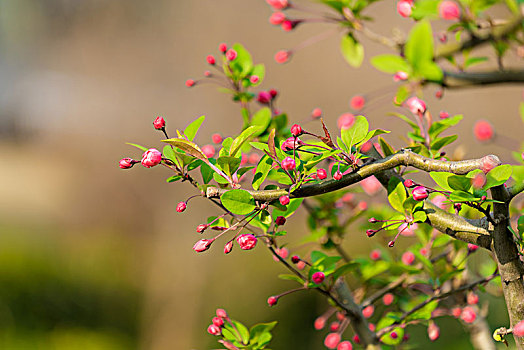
{"type": "Point", "coordinates": [404, 157]}
{"type": "Point", "coordinates": [458, 80]}
{"type": "Point", "coordinates": [510, 267]}
{"type": "Point", "coordinates": [494, 34]}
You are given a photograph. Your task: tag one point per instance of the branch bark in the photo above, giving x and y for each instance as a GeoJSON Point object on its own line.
{"type": "Point", "coordinates": [457, 80]}
{"type": "Point", "coordinates": [510, 266]}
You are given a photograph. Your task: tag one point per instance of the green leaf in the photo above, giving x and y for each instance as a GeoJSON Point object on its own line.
{"type": "Point", "coordinates": [403, 93]}
{"type": "Point", "coordinates": [344, 269]}
{"type": "Point", "coordinates": [438, 127]}
{"type": "Point", "coordinates": [293, 205]}
{"type": "Point", "coordinates": [228, 164]}
{"type": "Point", "coordinates": [357, 132]}
{"type": "Point", "coordinates": [386, 147]}
{"type": "Point", "coordinates": [288, 277]}
{"type": "Point", "coordinates": [424, 313]}
{"type": "Point", "coordinates": [137, 146]}
{"type": "Point", "coordinates": [243, 63]}
{"type": "Point", "coordinates": [262, 119]}
{"type": "Point", "coordinates": [425, 9]}
{"type": "Point", "coordinates": [406, 119]}
{"type": "Point", "coordinates": [263, 168]}
{"type": "Point", "coordinates": [442, 141]}
{"type": "Point", "coordinates": [430, 71]}
{"type": "Point", "coordinates": [420, 216]}
{"type": "Point", "coordinates": [352, 50]}
{"type": "Point", "coordinates": [461, 196]}
{"type": "Point", "coordinates": [461, 183]}
{"type": "Point", "coordinates": [441, 179]}
{"type": "Point", "coordinates": [243, 137]}
{"type": "Point", "coordinates": [191, 130]}
{"type": "Point", "coordinates": [174, 178]}
{"type": "Point", "coordinates": [188, 147]}
{"type": "Point", "coordinates": [419, 47]}
{"type": "Point", "coordinates": [244, 332]}
{"type": "Point", "coordinates": [497, 176]}
{"type": "Point", "coordinates": [260, 71]}
{"type": "Point", "coordinates": [474, 61]}
{"type": "Point", "coordinates": [396, 194]}
{"type": "Point", "coordinates": [390, 64]}
{"type": "Point", "coordinates": [238, 202]}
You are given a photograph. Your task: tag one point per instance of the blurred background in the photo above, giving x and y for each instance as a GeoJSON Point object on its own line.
{"type": "Point", "coordinates": [93, 257]}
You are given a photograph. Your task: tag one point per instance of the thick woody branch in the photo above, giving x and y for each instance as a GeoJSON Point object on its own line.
{"type": "Point", "coordinates": [509, 264]}
{"type": "Point", "coordinates": [404, 157]}
{"type": "Point", "coordinates": [457, 80]}
{"type": "Point", "coordinates": [494, 34]}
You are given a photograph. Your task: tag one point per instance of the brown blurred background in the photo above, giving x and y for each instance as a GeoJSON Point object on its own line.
{"type": "Point", "coordinates": [93, 257]}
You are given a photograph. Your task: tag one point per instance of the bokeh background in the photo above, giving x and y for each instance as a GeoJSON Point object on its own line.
{"type": "Point", "coordinates": [93, 257]}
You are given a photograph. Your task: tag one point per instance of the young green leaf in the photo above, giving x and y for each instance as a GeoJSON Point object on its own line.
{"type": "Point", "coordinates": [352, 50]}
{"type": "Point", "coordinates": [238, 202]}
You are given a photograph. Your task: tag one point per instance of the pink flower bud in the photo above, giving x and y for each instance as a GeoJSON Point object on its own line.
{"type": "Point", "coordinates": [518, 329]}
{"type": "Point", "coordinates": [356, 339]}
{"type": "Point", "coordinates": [228, 247]}
{"type": "Point", "coordinates": [408, 258]}
{"type": "Point", "coordinates": [213, 329]}
{"type": "Point", "coordinates": [290, 144]}
{"type": "Point", "coordinates": [334, 326]}
{"type": "Point", "coordinates": [367, 312]}
{"type": "Point", "coordinates": [218, 321]}
{"type": "Point", "coordinates": [301, 265]}
{"type": "Point", "coordinates": [278, 4]}
{"type": "Point", "coordinates": [370, 232]}
{"type": "Point", "coordinates": [282, 56]}
{"type": "Point", "coordinates": [221, 313]}
{"type": "Point", "coordinates": [338, 175]}
{"type": "Point", "coordinates": [320, 322]}
{"type": "Point", "coordinates": [393, 335]}
{"type": "Point", "coordinates": [400, 76]}
{"type": "Point", "coordinates": [372, 327]}
{"type": "Point", "coordinates": [357, 102]}
{"type": "Point", "coordinates": [207, 73]}
{"type": "Point", "coordinates": [443, 115]}
{"type": "Point", "coordinates": [264, 97]}
{"type": "Point", "coordinates": [456, 312]}
{"type": "Point", "coordinates": [284, 200]}
{"type": "Point", "coordinates": [288, 164]}
{"type": "Point", "coordinates": [321, 174]}
{"type": "Point", "coordinates": [433, 331]}
{"type": "Point", "coordinates": [423, 251]}
{"type": "Point", "coordinates": [375, 254]}
{"type": "Point", "coordinates": [472, 247]}
{"type": "Point", "coordinates": [318, 277]}
{"type": "Point", "coordinates": [231, 55]}
{"type": "Point", "coordinates": [247, 241]}
{"type": "Point", "coordinates": [331, 341]}
{"type": "Point", "coordinates": [272, 301]}
{"type": "Point", "coordinates": [151, 157]}
{"type": "Point", "coordinates": [316, 113]}
{"type": "Point", "coordinates": [190, 82]}
{"type": "Point", "coordinates": [489, 162]}
{"type": "Point", "coordinates": [388, 299]}
{"type": "Point", "coordinates": [448, 10]}
{"type": "Point", "coordinates": [340, 316]}
{"type": "Point", "coordinates": [371, 185]}
{"type": "Point", "coordinates": [468, 314]}
{"type": "Point", "coordinates": [290, 25]}
{"type": "Point", "coordinates": [273, 93]}
{"type": "Point", "coordinates": [483, 131]}
{"type": "Point", "coordinates": [404, 8]}
{"type": "Point", "coordinates": [277, 18]}
{"type": "Point", "coordinates": [409, 183]}
{"type": "Point", "coordinates": [216, 138]}
{"type": "Point", "coordinates": [472, 298]}
{"type": "Point", "coordinates": [159, 123]}
{"type": "Point", "coordinates": [202, 245]}
{"type": "Point", "coordinates": [416, 105]}
{"type": "Point", "coordinates": [201, 228]}
{"type": "Point", "coordinates": [391, 244]}
{"type": "Point", "coordinates": [296, 130]}
{"type": "Point", "coordinates": [126, 163]}
{"type": "Point", "coordinates": [346, 121]}
{"type": "Point", "coordinates": [282, 252]}
{"type": "Point", "coordinates": [254, 79]}
{"type": "Point", "coordinates": [419, 193]}
{"type": "Point", "coordinates": [208, 150]}
{"type": "Point", "coordinates": [345, 345]}
{"type": "Point", "coordinates": [181, 207]}
{"type": "Point", "coordinates": [222, 48]}
{"type": "Point", "coordinates": [211, 59]}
